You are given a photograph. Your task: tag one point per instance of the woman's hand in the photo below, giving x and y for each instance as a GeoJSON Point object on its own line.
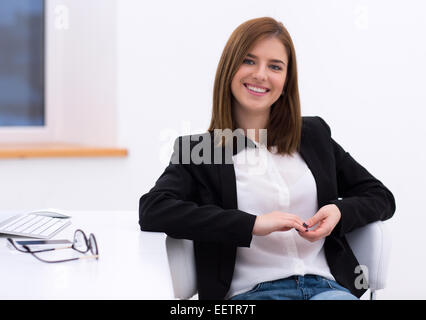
{"type": "Point", "coordinates": [277, 221]}
{"type": "Point", "coordinates": [327, 218]}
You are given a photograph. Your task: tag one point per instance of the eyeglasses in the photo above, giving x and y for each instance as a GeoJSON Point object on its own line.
{"type": "Point", "coordinates": [80, 243]}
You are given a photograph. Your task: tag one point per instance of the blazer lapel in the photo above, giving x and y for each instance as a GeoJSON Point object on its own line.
{"type": "Point", "coordinates": [229, 201]}
{"type": "Point", "coordinates": [227, 173]}
{"type": "Point", "coordinates": [229, 186]}
{"type": "Point", "coordinates": [307, 151]}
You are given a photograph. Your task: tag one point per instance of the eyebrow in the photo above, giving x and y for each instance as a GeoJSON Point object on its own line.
{"type": "Point", "coordinates": [272, 60]}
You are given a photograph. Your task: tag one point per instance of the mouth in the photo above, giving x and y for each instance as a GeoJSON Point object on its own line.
{"type": "Point", "coordinates": [256, 90]}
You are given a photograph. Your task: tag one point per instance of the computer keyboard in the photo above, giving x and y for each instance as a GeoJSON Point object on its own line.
{"type": "Point", "coordinates": [34, 225]}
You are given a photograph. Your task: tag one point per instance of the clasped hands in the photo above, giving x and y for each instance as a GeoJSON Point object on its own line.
{"type": "Point", "coordinates": [324, 221]}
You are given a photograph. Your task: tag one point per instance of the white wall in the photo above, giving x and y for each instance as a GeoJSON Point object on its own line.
{"type": "Point", "coordinates": [361, 67]}
{"type": "Point", "coordinates": [82, 70]}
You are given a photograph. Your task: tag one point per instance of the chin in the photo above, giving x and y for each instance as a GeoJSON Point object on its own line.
{"type": "Point", "coordinates": [256, 108]}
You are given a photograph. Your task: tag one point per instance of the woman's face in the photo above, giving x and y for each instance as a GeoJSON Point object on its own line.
{"type": "Point", "coordinates": [260, 79]}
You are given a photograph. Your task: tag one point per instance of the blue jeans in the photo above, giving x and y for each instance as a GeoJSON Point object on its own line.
{"type": "Point", "coordinates": [308, 287]}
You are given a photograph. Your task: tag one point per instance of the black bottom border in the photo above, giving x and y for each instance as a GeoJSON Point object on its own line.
{"type": "Point", "coordinates": [209, 309]}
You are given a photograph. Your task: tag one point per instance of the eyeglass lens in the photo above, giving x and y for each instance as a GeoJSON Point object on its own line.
{"type": "Point", "coordinates": [80, 241]}
{"type": "Point", "coordinates": [93, 244]}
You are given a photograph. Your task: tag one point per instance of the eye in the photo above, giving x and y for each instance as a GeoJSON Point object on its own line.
{"type": "Point", "coordinates": [251, 62]}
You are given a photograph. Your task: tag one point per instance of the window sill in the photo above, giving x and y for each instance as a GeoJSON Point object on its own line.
{"type": "Point", "coordinates": [57, 150]}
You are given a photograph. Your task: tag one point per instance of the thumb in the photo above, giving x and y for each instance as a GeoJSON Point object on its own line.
{"type": "Point", "coordinates": [317, 217]}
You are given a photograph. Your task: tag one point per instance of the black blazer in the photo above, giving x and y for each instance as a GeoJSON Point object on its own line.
{"type": "Point", "coordinates": [199, 202]}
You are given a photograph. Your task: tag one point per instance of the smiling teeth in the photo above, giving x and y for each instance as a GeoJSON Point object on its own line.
{"type": "Point", "coordinates": [256, 89]}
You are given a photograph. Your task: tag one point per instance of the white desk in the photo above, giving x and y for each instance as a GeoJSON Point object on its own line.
{"type": "Point", "coordinates": [132, 264]}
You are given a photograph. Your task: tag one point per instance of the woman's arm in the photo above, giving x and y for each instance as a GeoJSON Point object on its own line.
{"type": "Point", "coordinates": [364, 198]}
{"type": "Point", "coordinates": [169, 207]}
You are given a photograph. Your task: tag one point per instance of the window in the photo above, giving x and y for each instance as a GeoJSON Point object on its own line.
{"type": "Point", "coordinates": [22, 63]}
{"type": "Point", "coordinates": [58, 78]}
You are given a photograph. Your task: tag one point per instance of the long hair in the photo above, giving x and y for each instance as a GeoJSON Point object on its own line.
{"type": "Point", "coordinates": [285, 121]}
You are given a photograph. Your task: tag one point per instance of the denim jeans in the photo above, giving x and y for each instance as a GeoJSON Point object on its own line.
{"type": "Point", "coordinates": [308, 287]}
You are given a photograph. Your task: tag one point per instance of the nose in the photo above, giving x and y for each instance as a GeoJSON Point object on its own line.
{"type": "Point", "coordinates": [260, 74]}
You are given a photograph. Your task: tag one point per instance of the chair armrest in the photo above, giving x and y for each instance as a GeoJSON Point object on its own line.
{"type": "Point", "coordinates": [371, 245]}
{"type": "Point", "coordinates": [180, 254]}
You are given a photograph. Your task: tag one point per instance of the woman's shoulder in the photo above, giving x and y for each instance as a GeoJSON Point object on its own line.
{"type": "Point", "coordinates": [193, 139]}
{"type": "Point", "coordinates": [192, 148]}
{"type": "Point", "coordinates": [313, 124]}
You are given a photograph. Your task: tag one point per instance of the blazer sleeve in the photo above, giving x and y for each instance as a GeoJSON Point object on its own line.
{"type": "Point", "coordinates": [170, 207]}
{"type": "Point", "coordinates": [364, 199]}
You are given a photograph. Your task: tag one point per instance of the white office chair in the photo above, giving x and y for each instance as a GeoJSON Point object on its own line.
{"type": "Point", "coordinates": [371, 245]}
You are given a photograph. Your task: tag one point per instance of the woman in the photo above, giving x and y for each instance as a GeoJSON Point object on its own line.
{"type": "Point", "coordinates": [273, 228]}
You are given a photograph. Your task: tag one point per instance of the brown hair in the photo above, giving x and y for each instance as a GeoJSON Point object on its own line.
{"type": "Point", "coordinates": [285, 121]}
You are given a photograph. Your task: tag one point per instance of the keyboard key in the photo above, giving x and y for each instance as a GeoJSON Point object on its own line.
{"type": "Point", "coordinates": [54, 227]}
{"type": "Point", "coordinates": [40, 224]}
{"type": "Point", "coordinates": [23, 227]}
{"type": "Point", "coordinates": [16, 223]}
{"type": "Point", "coordinates": [48, 225]}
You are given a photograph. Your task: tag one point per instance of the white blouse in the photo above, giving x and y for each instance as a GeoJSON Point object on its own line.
{"type": "Point", "coordinates": [269, 182]}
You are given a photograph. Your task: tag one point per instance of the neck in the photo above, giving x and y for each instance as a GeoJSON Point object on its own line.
{"type": "Point", "coordinates": [251, 123]}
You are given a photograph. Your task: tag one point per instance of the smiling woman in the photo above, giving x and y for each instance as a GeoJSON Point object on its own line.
{"type": "Point", "coordinates": [272, 227]}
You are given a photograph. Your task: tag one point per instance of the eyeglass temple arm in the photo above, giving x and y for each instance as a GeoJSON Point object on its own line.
{"type": "Point", "coordinates": [65, 260]}
{"type": "Point", "coordinates": [88, 257]}
{"type": "Point", "coordinates": [36, 251]}
{"type": "Point", "coordinates": [51, 249]}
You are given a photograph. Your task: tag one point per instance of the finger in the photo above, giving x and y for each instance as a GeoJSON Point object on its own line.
{"type": "Point", "coordinates": [321, 231]}
{"type": "Point", "coordinates": [300, 228]}
{"type": "Point", "coordinates": [301, 231]}
{"type": "Point", "coordinates": [308, 236]}
{"type": "Point", "coordinates": [316, 234]}
{"type": "Point", "coordinates": [294, 218]}
{"type": "Point", "coordinates": [311, 236]}
{"type": "Point", "coordinates": [299, 225]}
{"type": "Point", "coordinates": [292, 221]}
{"type": "Point", "coordinates": [315, 219]}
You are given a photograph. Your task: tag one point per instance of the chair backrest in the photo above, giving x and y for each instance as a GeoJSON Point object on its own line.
{"type": "Point", "coordinates": [370, 244]}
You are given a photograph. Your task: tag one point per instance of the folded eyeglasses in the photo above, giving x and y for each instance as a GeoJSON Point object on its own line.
{"type": "Point", "coordinates": [81, 243]}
